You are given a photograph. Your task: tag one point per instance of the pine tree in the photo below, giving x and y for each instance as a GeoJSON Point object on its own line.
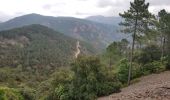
{"type": "Point", "coordinates": [162, 28]}
{"type": "Point", "coordinates": [136, 21]}
{"type": "Point", "coordinates": [167, 33]}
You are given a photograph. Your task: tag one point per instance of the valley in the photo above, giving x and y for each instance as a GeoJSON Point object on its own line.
{"type": "Point", "coordinates": [84, 50]}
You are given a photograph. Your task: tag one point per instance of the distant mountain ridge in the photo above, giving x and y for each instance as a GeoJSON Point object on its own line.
{"type": "Point", "coordinates": [98, 34]}
{"type": "Point", "coordinates": [105, 20]}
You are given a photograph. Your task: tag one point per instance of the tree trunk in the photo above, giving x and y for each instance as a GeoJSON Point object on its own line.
{"type": "Point", "coordinates": [132, 50]}
{"type": "Point", "coordinates": [163, 44]}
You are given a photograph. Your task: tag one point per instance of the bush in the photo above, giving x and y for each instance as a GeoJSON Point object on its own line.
{"type": "Point", "coordinates": [10, 94]}
{"type": "Point", "coordinates": [27, 93]}
{"type": "Point", "coordinates": [87, 80]}
{"type": "Point", "coordinates": [168, 61]}
{"type": "Point", "coordinates": [61, 84]}
{"type": "Point", "coordinates": [153, 67]}
{"type": "Point", "coordinates": [148, 54]}
{"type": "Point", "coordinates": [91, 79]}
{"type": "Point", "coordinates": [124, 71]}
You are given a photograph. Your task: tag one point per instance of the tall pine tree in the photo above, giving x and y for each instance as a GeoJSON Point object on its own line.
{"type": "Point", "coordinates": [167, 33]}
{"type": "Point", "coordinates": [136, 21]}
{"type": "Point", "coordinates": [161, 27]}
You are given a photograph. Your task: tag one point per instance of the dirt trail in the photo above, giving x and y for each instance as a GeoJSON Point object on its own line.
{"type": "Point", "coordinates": [77, 49]}
{"type": "Point", "coordinates": [152, 87]}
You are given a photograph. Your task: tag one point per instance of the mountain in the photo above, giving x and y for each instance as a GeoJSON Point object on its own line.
{"type": "Point", "coordinates": [98, 34]}
{"type": "Point", "coordinates": [36, 46]}
{"type": "Point", "coordinates": [105, 20]}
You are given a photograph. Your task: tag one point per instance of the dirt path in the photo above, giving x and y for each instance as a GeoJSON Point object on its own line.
{"type": "Point", "coordinates": [152, 87]}
{"type": "Point", "coordinates": [77, 49]}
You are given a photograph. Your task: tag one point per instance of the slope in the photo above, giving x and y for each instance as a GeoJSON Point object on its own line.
{"type": "Point", "coordinates": [98, 34]}
{"type": "Point", "coordinates": [37, 45]}
{"type": "Point", "coordinates": [151, 87]}
{"type": "Point", "coordinates": [105, 20]}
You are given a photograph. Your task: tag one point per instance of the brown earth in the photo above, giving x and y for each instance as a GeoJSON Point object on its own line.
{"type": "Point", "coordinates": [151, 87]}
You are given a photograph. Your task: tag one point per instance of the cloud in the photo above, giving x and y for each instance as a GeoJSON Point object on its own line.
{"type": "Point", "coordinates": [73, 8]}
{"type": "Point", "coordinates": [159, 2]}
{"type": "Point", "coordinates": [50, 6]}
{"type": "Point", "coordinates": [118, 6]}
{"type": "Point", "coordinates": [4, 16]}
{"type": "Point", "coordinates": [113, 3]}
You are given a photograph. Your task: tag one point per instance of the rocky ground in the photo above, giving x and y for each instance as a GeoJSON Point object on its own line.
{"type": "Point", "coordinates": [151, 87]}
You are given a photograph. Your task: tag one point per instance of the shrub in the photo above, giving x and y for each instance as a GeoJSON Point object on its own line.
{"type": "Point", "coordinates": [148, 54]}
{"type": "Point", "coordinates": [124, 71]}
{"type": "Point", "coordinates": [27, 93]}
{"type": "Point", "coordinates": [61, 84]}
{"type": "Point", "coordinates": [10, 94]}
{"type": "Point", "coordinates": [91, 79]}
{"type": "Point", "coordinates": [168, 63]}
{"type": "Point", "coordinates": [87, 80]}
{"type": "Point", "coordinates": [154, 67]}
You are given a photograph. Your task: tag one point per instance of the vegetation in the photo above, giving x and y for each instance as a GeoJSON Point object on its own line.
{"type": "Point", "coordinates": [29, 55]}
{"type": "Point", "coordinates": [136, 22]}
{"type": "Point", "coordinates": [10, 94]}
{"type": "Point", "coordinates": [37, 63]}
{"type": "Point", "coordinates": [97, 34]}
{"type": "Point", "coordinates": [88, 80]}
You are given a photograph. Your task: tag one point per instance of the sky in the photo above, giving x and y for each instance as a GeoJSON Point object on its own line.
{"type": "Point", "coordinates": [73, 8]}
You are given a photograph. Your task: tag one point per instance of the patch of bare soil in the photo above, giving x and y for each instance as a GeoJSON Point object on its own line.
{"type": "Point", "coordinates": [151, 87]}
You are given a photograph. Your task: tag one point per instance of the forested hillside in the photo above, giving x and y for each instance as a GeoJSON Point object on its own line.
{"type": "Point", "coordinates": [98, 34]}
{"type": "Point", "coordinates": [31, 54]}
{"type": "Point", "coordinates": [37, 45]}
{"type": "Point", "coordinates": [37, 62]}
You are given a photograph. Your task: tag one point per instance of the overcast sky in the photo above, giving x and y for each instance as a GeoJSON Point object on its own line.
{"type": "Point", "coordinates": [73, 8]}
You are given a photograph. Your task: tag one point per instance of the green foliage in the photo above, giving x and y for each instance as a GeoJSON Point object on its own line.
{"type": "Point", "coordinates": [87, 80]}
{"type": "Point", "coordinates": [61, 83]}
{"type": "Point", "coordinates": [90, 79]}
{"type": "Point", "coordinates": [136, 18]}
{"type": "Point", "coordinates": [148, 54]}
{"type": "Point", "coordinates": [168, 64]}
{"type": "Point", "coordinates": [27, 93]}
{"type": "Point", "coordinates": [153, 67]}
{"type": "Point", "coordinates": [10, 94]}
{"type": "Point", "coordinates": [114, 52]}
{"type": "Point", "coordinates": [124, 70]}
{"type": "Point", "coordinates": [35, 45]}
{"type": "Point", "coordinates": [164, 29]}
{"type": "Point", "coordinates": [30, 54]}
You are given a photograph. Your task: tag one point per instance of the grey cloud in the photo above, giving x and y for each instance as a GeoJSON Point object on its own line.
{"type": "Point", "coordinates": [105, 3]}
{"type": "Point", "coordinates": [4, 17]}
{"type": "Point", "coordinates": [125, 3]}
{"type": "Point", "coordinates": [159, 2]}
{"type": "Point", "coordinates": [82, 0]}
{"type": "Point", "coordinates": [114, 11]}
{"type": "Point", "coordinates": [112, 3]}
{"type": "Point", "coordinates": [118, 6]}
{"type": "Point", "coordinates": [19, 13]}
{"type": "Point", "coordinates": [49, 6]}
